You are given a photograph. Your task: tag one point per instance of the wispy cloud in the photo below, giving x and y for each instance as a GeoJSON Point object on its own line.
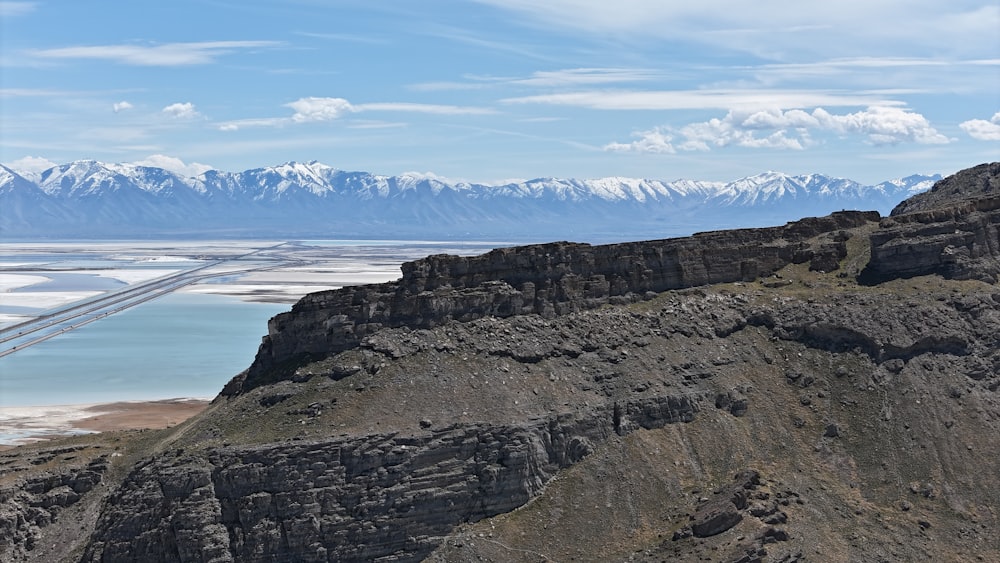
{"type": "Point", "coordinates": [318, 109]}
{"type": "Point", "coordinates": [249, 123]}
{"type": "Point", "coordinates": [791, 129]}
{"type": "Point", "coordinates": [983, 130]}
{"type": "Point", "coordinates": [701, 99]}
{"type": "Point", "coordinates": [168, 54]}
{"type": "Point", "coordinates": [866, 62]}
{"type": "Point", "coordinates": [32, 93]}
{"type": "Point", "coordinates": [369, 124]}
{"type": "Point", "coordinates": [347, 37]}
{"type": "Point", "coordinates": [501, 45]}
{"type": "Point", "coordinates": [900, 74]}
{"type": "Point", "coordinates": [14, 9]}
{"type": "Point", "coordinates": [586, 76]}
{"type": "Point", "coordinates": [436, 109]}
{"type": "Point", "coordinates": [546, 79]}
{"type": "Point", "coordinates": [863, 26]}
{"type": "Point", "coordinates": [121, 106]}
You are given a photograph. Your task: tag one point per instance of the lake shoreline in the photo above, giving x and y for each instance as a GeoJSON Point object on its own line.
{"type": "Point", "coordinates": [28, 425]}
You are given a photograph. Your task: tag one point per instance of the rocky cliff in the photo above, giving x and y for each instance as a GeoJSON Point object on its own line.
{"type": "Point", "coordinates": [950, 230]}
{"type": "Point", "coordinates": [547, 280]}
{"type": "Point", "coordinates": [825, 391]}
{"type": "Point", "coordinates": [974, 183]}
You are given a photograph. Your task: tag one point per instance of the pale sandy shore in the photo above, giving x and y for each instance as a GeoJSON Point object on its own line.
{"type": "Point", "coordinates": [23, 425]}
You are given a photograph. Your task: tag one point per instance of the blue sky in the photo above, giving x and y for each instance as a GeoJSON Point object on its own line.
{"type": "Point", "coordinates": [491, 90]}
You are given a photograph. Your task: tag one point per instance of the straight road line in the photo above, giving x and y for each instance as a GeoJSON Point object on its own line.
{"type": "Point", "coordinates": [104, 305]}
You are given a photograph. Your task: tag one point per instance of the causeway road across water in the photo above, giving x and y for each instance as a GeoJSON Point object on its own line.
{"type": "Point", "coordinates": [61, 320]}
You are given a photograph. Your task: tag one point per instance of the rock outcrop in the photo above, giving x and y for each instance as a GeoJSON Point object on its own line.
{"type": "Point", "coordinates": [960, 241]}
{"type": "Point", "coordinates": [951, 231]}
{"type": "Point", "coordinates": [548, 280]}
{"type": "Point", "coordinates": [974, 183]}
{"type": "Point", "coordinates": [382, 498]}
{"type": "Point", "coordinates": [46, 498]}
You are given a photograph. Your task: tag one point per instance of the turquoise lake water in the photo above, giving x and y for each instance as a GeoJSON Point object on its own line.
{"type": "Point", "coordinates": [179, 345]}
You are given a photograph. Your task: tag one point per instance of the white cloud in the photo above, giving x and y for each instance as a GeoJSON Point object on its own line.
{"type": "Point", "coordinates": [175, 165]}
{"type": "Point", "coordinates": [121, 106]}
{"type": "Point", "coordinates": [12, 9]}
{"type": "Point", "coordinates": [319, 109]}
{"type": "Point", "coordinates": [983, 130]}
{"type": "Point", "coordinates": [777, 119]}
{"type": "Point", "coordinates": [883, 125]}
{"type": "Point", "coordinates": [777, 129]}
{"type": "Point", "coordinates": [655, 142]}
{"type": "Point", "coordinates": [730, 131]}
{"type": "Point", "coordinates": [30, 166]}
{"type": "Point", "coordinates": [183, 110]}
{"type": "Point", "coordinates": [169, 54]}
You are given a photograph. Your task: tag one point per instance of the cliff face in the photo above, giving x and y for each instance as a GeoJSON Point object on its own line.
{"type": "Point", "coordinates": [957, 242]}
{"type": "Point", "coordinates": [384, 497]}
{"type": "Point", "coordinates": [547, 280]}
{"type": "Point", "coordinates": [950, 230]}
{"type": "Point", "coordinates": [731, 396]}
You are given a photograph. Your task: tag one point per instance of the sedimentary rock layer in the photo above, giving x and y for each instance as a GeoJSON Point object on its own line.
{"type": "Point", "coordinates": [549, 279]}
{"type": "Point", "coordinates": [961, 241]}
{"type": "Point", "coordinates": [384, 497]}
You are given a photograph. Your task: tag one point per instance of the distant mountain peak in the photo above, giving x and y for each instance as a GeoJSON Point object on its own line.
{"type": "Point", "coordinates": [92, 198]}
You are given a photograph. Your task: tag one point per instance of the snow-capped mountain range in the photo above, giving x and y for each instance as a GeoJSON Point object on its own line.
{"type": "Point", "coordinates": [90, 199]}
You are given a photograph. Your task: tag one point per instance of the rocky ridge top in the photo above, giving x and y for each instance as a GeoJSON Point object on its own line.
{"type": "Point", "coordinates": [548, 280]}
{"type": "Point", "coordinates": [978, 182]}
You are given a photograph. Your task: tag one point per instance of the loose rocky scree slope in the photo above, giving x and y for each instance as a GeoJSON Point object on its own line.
{"type": "Point", "coordinates": [823, 391]}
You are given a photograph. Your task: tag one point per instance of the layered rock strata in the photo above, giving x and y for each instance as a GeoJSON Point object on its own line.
{"type": "Point", "coordinates": [46, 499]}
{"type": "Point", "coordinates": [382, 498]}
{"type": "Point", "coordinates": [548, 280]}
{"type": "Point", "coordinates": [960, 241]}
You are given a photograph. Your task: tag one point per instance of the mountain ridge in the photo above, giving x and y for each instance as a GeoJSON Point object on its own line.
{"type": "Point", "coordinates": [88, 198]}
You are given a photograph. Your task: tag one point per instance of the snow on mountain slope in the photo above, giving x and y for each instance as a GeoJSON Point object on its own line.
{"type": "Point", "coordinates": [91, 198]}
